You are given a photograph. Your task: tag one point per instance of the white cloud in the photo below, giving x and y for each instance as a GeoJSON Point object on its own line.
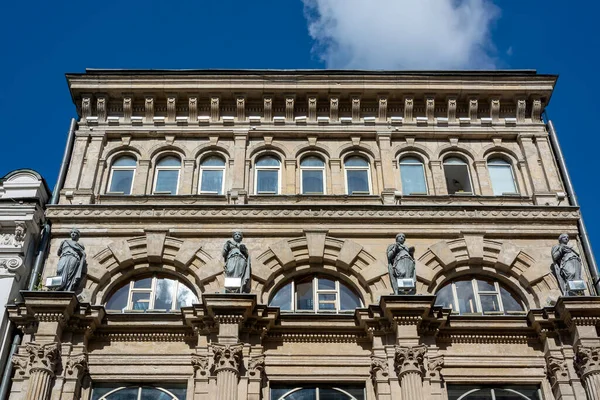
{"type": "Point", "coordinates": [402, 34]}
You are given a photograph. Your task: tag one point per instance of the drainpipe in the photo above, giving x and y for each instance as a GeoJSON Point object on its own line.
{"type": "Point", "coordinates": [41, 255]}
{"type": "Point", "coordinates": [585, 240]}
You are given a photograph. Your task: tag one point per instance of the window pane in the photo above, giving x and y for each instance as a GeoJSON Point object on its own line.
{"type": "Point", "coordinates": [212, 181]}
{"type": "Point", "coordinates": [213, 161]}
{"type": "Point", "coordinates": [348, 299]}
{"type": "Point", "coordinates": [457, 392]}
{"type": "Point", "coordinates": [466, 298]}
{"type": "Point", "coordinates": [454, 160]}
{"type": "Point", "coordinates": [312, 162]}
{"type": "Point", "coordinates": [457, 178]}
{"type": "Point", "coordinates": [304, 295]}
{"type": "Point", "coordinates": [169, 162]}
{"type": "Point", "coordinates": [140, 301]}
{"type": "Point", "coordinates": [327, 301]}
{"type": "Point", "coordinates": [336, 394]}
{"type": "Point", "coordinates": [413, 179]}
{"type": "Point", "coordinates": [118, 301]}
{"type": "Point", "coordinates": [121, 181]}
{"type": "Point", "coordinates": [124, 162]}
{"type": "Point", "coordinates": [358, 181]}
{"type": "Point", "coordinates": [185, 296]}
{"type": "Point", "coordinates": [326, 284]}
{"type": "Point", "coordinates": [130, 393]}
{"type": "Point", "coordinates": [150, 393]}
{"type": "Point", "coordinates": [302, 394]}
{"type": "Point", "coordinates": [445, 298]}
{"type": "Point", "coordinates": [167, 181]}
{"type": "Point", "coordinates": [486, 285]}
{"type": "Point", "coordinates": [145, 283]}
{"type": "Point", "coordinates": [163, 297]}
{"type": "Point", "coordinates": [502, 179]}
{"type": "Point", "coordinates": [509, 301]}
{"type": "Point", "coordinates": [267, 181]}
{"type": "Point", "coordinates": [283, 298]}
{"type": "Point", "coordinates": [312, 181]}
{"type": "Point", "coordinates": [489, 302]}
{"type": "Point", "coordinates": [267, 161]}
{"type": "Point", "coordinates": [356, 161]}
{"type": "Point", "coordinates": [509, 394]}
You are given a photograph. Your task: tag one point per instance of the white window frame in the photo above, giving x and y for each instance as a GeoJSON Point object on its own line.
{"type": "Point", "coordinates": [140, 387]}
{"type": "Point", "coordinates": [367, 168]}
{"type": "Point", "coordinates": [317, 388]}
{"type": "Point", "coordinates": [421, 163]}
{"type": "Point", "coordinates": [492, 389]}
{"type": "Point", "coordinates": [113, 168]}
{"type": "Point", "coordinates": [512, 174]}
{"type": "Point", "coordinates": [477, 293]}
{"type": "Point", "coordinates": [166, 168]}
{"type": "Point", "coordinates": [306, 168]}
{"type": "Point", "coordinates": [466, 164]}
{"type": "Point", "coordinates": [212, 168]}
{"type": "Point", "coordinates": [267, 168]}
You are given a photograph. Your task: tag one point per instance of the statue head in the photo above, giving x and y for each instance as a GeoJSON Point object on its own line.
{"type": "Point", "coordinates": [563, 238]}
{"type": "Point", "coordinates": [400, 238]}
{"type": "Point", "coordinates": [75, 234]}
{"type": "Point", "coordinates": [238, 236]}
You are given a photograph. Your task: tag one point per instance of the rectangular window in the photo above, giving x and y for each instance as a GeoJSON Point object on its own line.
{"type": "Point", "coordinates": [212, 182]}
{"type": "Point", "coordinates": [166, 182]}
{"type": "Point", "coordinates": [312, 182]}
{"type": "Point", "coordinates": [502, 179]}
{"type": "Point", "coordinates": [267, 181]}
{"type": "Point", "coordinates": [358, 181]}
{"type": "Point", "coordinates": [121, 181]}
{"type": "Point", "coordinates": [413, 179]}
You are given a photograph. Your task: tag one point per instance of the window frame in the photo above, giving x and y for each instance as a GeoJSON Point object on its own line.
{"type": "Point", "coordinates": [212, 168]}
{"type": "Point", "coordinates": [315, 295]}
{"type": "Point", "coordinates": [158, 168]}
{"type": "Point", "coordinates": [512, 174]}
{"type": "Point", "coordinates": [317, 388]}
{"type": "Point", "coordinates": [422, 164]}
{"type": "Point", "coordinates": [139, 387]}
{"type": "Point", "coordinates": [258, 168]}
{"type": "Point", "coordinates": [124, 168]}
{"type": "Point", "coordinates": [477, 296]}
{"type": "Point", "coordinates": [351, 168]}
{"type": "Point", "coordinates": [469, 176]}
{"type": "Point", "coordinates": [470, 389]}
{"type": "Point", "coordinates": [311, 168]}
{"type": "Point", "coordinates": [152, 293]}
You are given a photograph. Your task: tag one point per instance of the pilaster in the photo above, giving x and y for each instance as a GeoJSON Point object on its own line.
{"type": "Point", "coordinates": [485, 184]}
{"type": "Point", "coordinates": [171, 107]}
{"type": "Point", "coordinates": [289, 108]}
{"type": "Point", "coordinates": [355, 108]}
{"type": "Point", "coordinates": [148, 109]}
{"type": "Point", "coordinates": [337, 184]}
{"type": "Point", "coordinates": [532, 158]}
{"type": "Point", "coordinates": [439, 180]}
{"type": "Point", "coordinates": [334, 102]}
{"type": "Point", "coordinates": [141, 177]}
{"type": "Point", "coordinates": [239, 157]}
{"type": "Point", "coordinates": [92, 155]}
{"type": "Point", "coordinates": [268, 108]}
{"type": "Point", "coordinates": [312, 108]}
{"type": "Point", "coordinates": [382, 111]}
{"type": "Point", "coordinates": [408, 108]}
{"type": "Point", "coordinates": [185, 184]}
{"type": "Point", "coordinates": [290, 176]}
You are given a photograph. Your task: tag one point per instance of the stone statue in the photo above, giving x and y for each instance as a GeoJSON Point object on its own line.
{"type": "Point", "coordinates": [401, 262]}
{"type": "Point", "coordinates": [567, 263]}
{"type": "Point", "coordinates": [237, 261]}
{"type": "Point", "coordinates": [72, 265]}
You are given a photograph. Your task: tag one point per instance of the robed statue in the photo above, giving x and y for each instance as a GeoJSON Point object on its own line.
{"type": "Point", "coordinates": [72, 265]}
{"type": "Point", "coordinates": [567, 263]}
{"type": "Point", "coordinates": [237, 261]}
{"type": "Point", "coordinates": [401, 262]}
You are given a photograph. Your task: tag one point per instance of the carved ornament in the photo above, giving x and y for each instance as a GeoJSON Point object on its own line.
{"type": "Point", "coordinates": [200, 364]}
{"type": "Point", "coordinates": [227, 357]}
{"type": "Point", "coordinates": [37, 357]}
{"type": "Point", "coordinates": [409, 360]}
{"type": "Point", "coordinates": [256, 367]}
{"type": "Point", "coordinates": [379, 368]}
{"type": "Point", "coordinates": [587, 360]}
{"type": "Point", "coordinates": [77, 365]}
{"type": "Point", "coordinates": [556, 369]}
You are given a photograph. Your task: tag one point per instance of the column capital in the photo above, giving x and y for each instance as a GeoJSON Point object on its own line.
{"type": "Point", "coordinates": [379, 369]}
{"type": "Point", "coordinates": [587, 361]}
{"type": "Point", "coordinates": [227, 357]}
{"type": "Point", "coordinates": [409, 359]}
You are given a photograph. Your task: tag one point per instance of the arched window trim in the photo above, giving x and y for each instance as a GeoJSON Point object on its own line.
{"type": "Point", "coordinates": [202, 168]}
{"type": "Point", "coordinates": [166, 168]}
{"type": "Point", "coordinates": [367, 168]}
{"type": "Point", "coordinates": [498, 285]}
{"type": "Point", "coordinates": [114, 159]}
{"type": "Point", "coordinates": [130, 282]}
{"type": "Point", "coordinates": [421, 163]}
{"type": "Point", "coordinates": [264, 168]}
{"type": "Point", "coordinates": [510, 164]}
{"type": "Point", "coordinates": [139, 395]}
{"type": "Point", "coordinates": [323, 170]}
{"type": "Point", "coordinates": [467, 164]}
{"type": "Point", "coordinates": [315, 294]}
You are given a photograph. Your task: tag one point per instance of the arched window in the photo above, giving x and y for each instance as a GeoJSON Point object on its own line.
{"type": "Point", "coordinates": [166, 175]}
{"type": "Point", "coordinates": [504, 392]}
{"type": "Point", "coordinates": [317, 392]}
{"type": "Point", "coordinates": [501, 175]}
{"type": "Point", "coordinates": [478, 295]}
{"type": "Point", "coordinates": [151, 293]}
{"type": "Point", "coordinates": [212, 171]}
{"type": "Point", "coordinates": [316, 293]}
{"type": "Point", "coordinates": [412, 173]}
{"type": "Point", "coordinates": [312, 175]}
{"type": "Point", "coordinates": [267, 175]}
{"type": "Point", "coordinates": [358, 176]}
{"type": "Point", "coordinates": [122, 173]}
{"type": "Point", "coordinates": [458, 178]}
{"type": "Point", "coordinates": [138, 392]}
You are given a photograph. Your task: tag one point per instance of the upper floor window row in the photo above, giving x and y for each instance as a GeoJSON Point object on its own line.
{"type": "Point", "coordinates": [313, 175]}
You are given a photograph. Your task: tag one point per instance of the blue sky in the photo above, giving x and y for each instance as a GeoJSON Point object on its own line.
{"type": "Point", "coordinates": [42, 40]}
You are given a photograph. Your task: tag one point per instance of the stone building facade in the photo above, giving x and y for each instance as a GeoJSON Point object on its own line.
{"type": "Point", "coordinates": [23, 197]}
{"type": "Point", "coordinates": [319, 170]}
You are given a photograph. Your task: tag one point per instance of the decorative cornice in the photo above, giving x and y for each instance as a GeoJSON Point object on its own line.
{"type": "Point", "coordinates": [145, 336]}
{"type": "Point", "coordinates": [409, 359]}
{"type": "Point", "coordinates": [316, 337]}
{"type": "Point", "coordinates": [227, 357]}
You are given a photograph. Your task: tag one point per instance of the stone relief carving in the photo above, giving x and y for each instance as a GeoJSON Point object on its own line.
{"type": "Point", "coordinates": [434, 366]}
{"type": "Point", "coordinates": [37, 357]}
{"type": "Point", "coordinates": [401, 262]}
{"type": "Point", "coordinates": [200, 364]}
{"type": "Point", "coordinates": [20, 232]}
{"type": "Point", "coordinates": [237, 261]}
{"type": "Point", "coordinates": [587, 360]}
{"type": "Point", "coordinates": [227, 357]}
{"type": "Point", "coordinates": [567, 264]}
{"type": "Point", "coordinates": [379, 368]}
{"type": "Point", "coordinates": [77, 365]}
{"type": "Point", "coordinates": [72, 264]}
{"type": "Point", "coordinates": [256, 366]}
{"type": "Point", "coordinates": [409, 359]}
{"type": "Point", "coordinates": [556, 368]}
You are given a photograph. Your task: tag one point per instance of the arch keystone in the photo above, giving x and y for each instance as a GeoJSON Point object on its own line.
{"type": "Point", "coordinates": [155, 243]}
{"type": "Point", "coordinates": [315, 240]}
{"type": "Point", "coordinates": [474, 242]}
